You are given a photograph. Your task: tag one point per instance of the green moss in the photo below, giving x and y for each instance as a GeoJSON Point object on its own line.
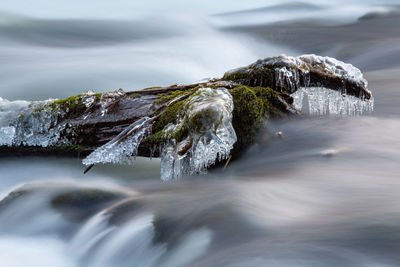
{"type": "Point", "coordinates": [253, 76]}
{"type": "Point", "coordinates": [134, 95]}
{"type": "Point", "coordinates": [169, 96]}
{"type": "Point", "coordinates": [73, 106]}
{"type": "Point", "coordinates": [169, 115]}
{"type": "Point", "coordinates": [235, 76]}
{"type": "Point", "coordinates": [252, 105]}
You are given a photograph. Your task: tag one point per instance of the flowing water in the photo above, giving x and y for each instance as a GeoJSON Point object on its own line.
{"type": "Point", "coordinates": [324, 193]}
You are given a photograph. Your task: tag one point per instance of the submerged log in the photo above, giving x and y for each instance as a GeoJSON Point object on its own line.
{"type": "Point", "coordinates": [177, 120]}
{"type": "Point", "coordinates": [86, 127]}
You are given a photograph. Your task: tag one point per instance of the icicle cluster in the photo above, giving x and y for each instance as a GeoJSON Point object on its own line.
{"type": "Point", "coordinates": [211, 135]}
{"type": "Point", "coordinates": [289, 79]}
{"type": "Point", "coordinates": [323, 101]}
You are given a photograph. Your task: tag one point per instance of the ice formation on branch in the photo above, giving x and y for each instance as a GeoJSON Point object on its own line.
{"type": "Point", "coordinates": [288, 74]}
{"type": "Point", "coordinates": [319, 85]}
{"type": "Point", "coordinates": [207, 117]}
{"type": "Point", "coordinates": [107, 99]}
{"type": "Point", "coordinates": [118, 150]}
{"type": "Point", "coordinates": [211, 135]}
{"type": "Point", "coordinates": [29, 123]}
{"type": "Point", "coordinates": [306, 63]}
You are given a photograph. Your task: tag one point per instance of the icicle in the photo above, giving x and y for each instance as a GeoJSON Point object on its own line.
{"type": "Point", "coordinates": [121, 150]}
{"type": "Point", "coordinates": [323, 101]}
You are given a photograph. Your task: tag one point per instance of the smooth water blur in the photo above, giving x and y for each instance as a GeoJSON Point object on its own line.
{"type": "Point", "coordinates": [62, 58]}
{"type": "Point", "coordinates": [323, 194]}
{"type": "Point", "coordinates": [54, 49]}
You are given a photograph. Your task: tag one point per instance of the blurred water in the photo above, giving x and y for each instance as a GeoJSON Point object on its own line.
{"type": "Point", "coordinates": [323, 194]}
{"type": "Point", "coordinates": [183, 49]}
{"type": "Point", "coordinates": [52, 49]}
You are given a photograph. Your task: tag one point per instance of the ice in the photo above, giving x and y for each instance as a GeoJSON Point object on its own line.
{"type": "Point", "coordinates": [121, 150]}
{"type": "Point", "coordinates": [107, 98]}
{"type": "Point", "coordinates": [89, 98]}
{"type": "Point", "coordinates": [211, 135]}
{"type": "Point", "coordinates": [7, 134]}
{"type": "Point", "coordinates": [284, 76]}
{"type": "Point", "coordinates": [336, 68]}
{"type": "Point", "coordinates": [324, 101]}
{"type": "Point", "coordinates": [28, 123]}
{"type": "Point", "coordinates": [305, 63]}
{"type": "Point", "coordinates": [291, 73]}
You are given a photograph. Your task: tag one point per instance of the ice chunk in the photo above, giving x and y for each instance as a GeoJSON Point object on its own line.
{"type": "Point", "coordinates": [324, 101]}
{"type": "Point", "coordinates": [211, 135]}
{"type": "Point", "coordinates": [121, 150]}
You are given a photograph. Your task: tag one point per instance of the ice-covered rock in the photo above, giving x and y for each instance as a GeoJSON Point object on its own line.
{"type": "Point", "coordinates": [288, 74]}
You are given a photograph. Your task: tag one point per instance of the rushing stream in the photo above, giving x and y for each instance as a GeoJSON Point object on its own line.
{"type": "Point", "coordinates": [325, 192]}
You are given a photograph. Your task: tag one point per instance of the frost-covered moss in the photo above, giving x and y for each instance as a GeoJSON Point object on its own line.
{"type": "Point", "coordinates": [71, 107]}
{"type": "Point", "coordinates": [74, 105]}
